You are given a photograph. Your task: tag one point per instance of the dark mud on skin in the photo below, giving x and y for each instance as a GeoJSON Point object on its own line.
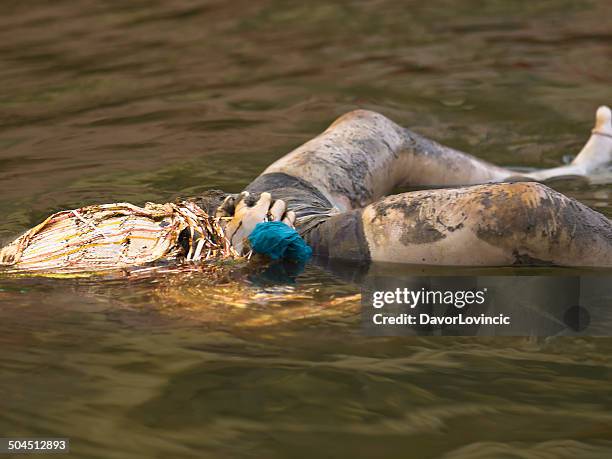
{"type": "Point", "coordinates": [419, 230]}
{"type": "Point", "coordinates": [528, 212]}
{"type": "Point", "coordinates": [111, 102]}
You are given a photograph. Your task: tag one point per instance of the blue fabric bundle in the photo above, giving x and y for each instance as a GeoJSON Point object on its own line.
{"type": "Point", "coordinates": [279, 241]}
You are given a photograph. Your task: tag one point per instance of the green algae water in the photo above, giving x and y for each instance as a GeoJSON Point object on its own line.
{"type": "Point", "coordinates": [150, 101]}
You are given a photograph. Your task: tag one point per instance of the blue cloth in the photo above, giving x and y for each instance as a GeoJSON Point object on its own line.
{"type": "Point", "coordinates": [279, 241]}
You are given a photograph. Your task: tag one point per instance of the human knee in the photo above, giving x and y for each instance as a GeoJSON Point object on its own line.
{"type": "Point", "coordinates": [515, 211]}
{"type": "Point", "coordinates": [535, 216]}
{"type": "Point", "coordinates": [527, 190]}
{"type": "Point", "coordinates": [520, 198]}
{"type": "Point", "coordinates": [358, 115]}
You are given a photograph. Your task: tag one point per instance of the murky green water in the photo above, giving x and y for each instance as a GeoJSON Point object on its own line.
{"type": "Point", "coordinates": [147, 101]}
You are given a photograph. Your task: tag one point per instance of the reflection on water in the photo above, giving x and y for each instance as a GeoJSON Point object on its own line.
{"type": "Point", "coordinates": [138, 102]}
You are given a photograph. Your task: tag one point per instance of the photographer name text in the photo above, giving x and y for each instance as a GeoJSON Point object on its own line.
{"type": "Point", "coordinates": [409, 299]}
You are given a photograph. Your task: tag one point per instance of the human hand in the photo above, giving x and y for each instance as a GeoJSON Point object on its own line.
{"type": "Point", "coordinates": [247, 213]}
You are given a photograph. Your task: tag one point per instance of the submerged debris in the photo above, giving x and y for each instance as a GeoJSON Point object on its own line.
{"type": "Point", "coordinates": [116, 236]}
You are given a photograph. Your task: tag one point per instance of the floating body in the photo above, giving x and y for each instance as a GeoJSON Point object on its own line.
{"type": "Point", "coordinates": [334, 189]}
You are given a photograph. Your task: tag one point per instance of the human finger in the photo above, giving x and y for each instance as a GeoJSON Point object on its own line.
{"type": "Point", "coordinates": [289, 219]}
{"type": "Point", "coordinates": [249, 219]}
{"type": "Point", "coordinates": [241, 209]}
{"type": "Point", "coordinates": [277, 210]}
